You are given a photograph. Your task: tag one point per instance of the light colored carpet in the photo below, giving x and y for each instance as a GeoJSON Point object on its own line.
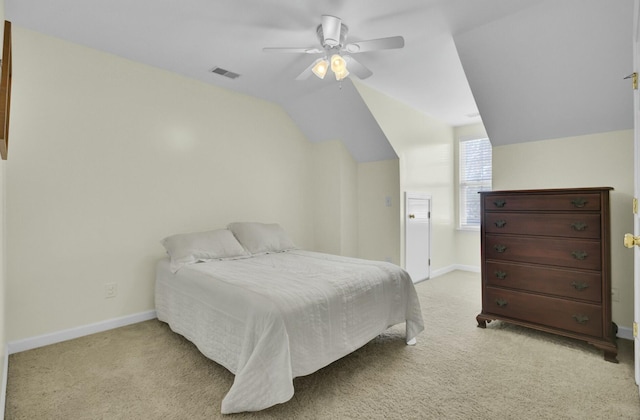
{"type": "Point", "coordinates": [456, 371]}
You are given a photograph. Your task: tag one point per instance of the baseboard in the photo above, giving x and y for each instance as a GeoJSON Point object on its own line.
{"type": "Point", "coordinates": [471, 268]}
{"type": "Point", "coordinates": [454, 267]}
{"type": "Point", "coordinates": [625, 332]}
{"type": "Point", "coordinates": [64, 335]}
{"type": "Point", "coordinates": [5, 375]}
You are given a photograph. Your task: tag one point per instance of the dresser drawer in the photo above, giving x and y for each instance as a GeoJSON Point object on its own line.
{"type": "Point", "coordinates": [574, 253]}
{"type": "Point", "coordinates": [574, 225]}
{"type": "Point", "coordinates": [550, 202]}
{"type": "Point", "coordinates": [583, 318]}
{"type": "Point", "coordinates": [583, 285]}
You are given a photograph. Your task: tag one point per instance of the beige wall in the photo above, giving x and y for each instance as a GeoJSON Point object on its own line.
{"type": "Point", "coordinates": [597, 160]}
{"type": "Point", "coordinates": [425, 147]}
{"type": "Point", "coordinates": [379, 224]}
{"type": "Point", "coordinates": [3, 277]}
{"type": "Point", "coordinates": [3, 338]}
{"type": "Point", "coordinates": [108, 157]}
{"type": "Point", "coordinates": [349, 206]}
{"type": "Point", "coordinates": [335, 209]}
{"type": "Point", "coordinates": [350, 214]}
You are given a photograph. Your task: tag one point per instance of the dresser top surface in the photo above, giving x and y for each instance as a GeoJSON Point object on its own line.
{"type": "Point", "coordinates": [550, 191]}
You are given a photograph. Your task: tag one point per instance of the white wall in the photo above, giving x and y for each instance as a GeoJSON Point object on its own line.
{"type": "Point", "coordinates": [596, 160]}
{"type": "Point", "coordinates": [425, 147]}
{"type": "Point", "coordinates": [109, 156]}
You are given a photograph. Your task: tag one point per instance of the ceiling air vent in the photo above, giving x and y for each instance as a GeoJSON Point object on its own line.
{"type": "Point", "coordinates": [225, 73]}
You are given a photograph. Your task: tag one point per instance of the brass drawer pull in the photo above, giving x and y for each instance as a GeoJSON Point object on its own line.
{"type": "Point", "coordinates": [500, 223]}
{"type": "Point", "coordinates": [579, 255]}
{"type": "Point", "coordinates": [500, 248]}
{"type": "Point", "coordinates": [578, 226]}
{"type": "Point", "coordinates": [579, 202]}
{"type": "Point", "coordinates": [501, 302]}
{"type": "Point", "coordinates": [581, 319]}
{"type": "Point", "coordinates": [499, 203]}
{"type": "Point", "coordinates": [580, 286]}
{"type": "Point", "coordinates": [501, 274]}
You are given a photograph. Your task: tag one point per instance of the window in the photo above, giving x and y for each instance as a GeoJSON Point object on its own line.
{"type": "Point", "coordinates": [475, 175]}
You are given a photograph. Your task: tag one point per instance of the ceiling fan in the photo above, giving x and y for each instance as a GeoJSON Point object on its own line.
{"type": "Point", "coordinates": [332, 34]}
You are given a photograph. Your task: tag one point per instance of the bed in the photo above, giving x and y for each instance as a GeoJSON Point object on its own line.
{"type": "Point", "coordinates": [269, 312]}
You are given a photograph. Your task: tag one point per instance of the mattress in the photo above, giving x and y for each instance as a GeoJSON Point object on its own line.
{"type": "Point", "coordinates": [273, 317]}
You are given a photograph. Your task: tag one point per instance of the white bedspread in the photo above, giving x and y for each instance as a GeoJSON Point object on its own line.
{"type": "Point", "coordinates": [274, 317]}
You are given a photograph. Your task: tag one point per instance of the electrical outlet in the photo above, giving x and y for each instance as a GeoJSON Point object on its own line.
{"type": "Point", "coordinates": [110, 290]}
{"type": "Point", "coordinates": [614, 295]}
{"type": "Point", "coordinates": [387, 201]}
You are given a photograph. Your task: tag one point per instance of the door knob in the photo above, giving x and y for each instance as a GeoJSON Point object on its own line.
{"type": "Point", "coordinates": [412, 216]}
{"type": "Point", "coordinates": [630, 240]}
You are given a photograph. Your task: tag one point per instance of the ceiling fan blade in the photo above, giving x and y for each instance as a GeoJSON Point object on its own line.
{"type": "Point", "coordinates": [357, 68]}
{"type": "Point", "coordinates": [306, 72]}
{"type": "Point", "coordinates": [375, 44]}
{"type": "Point", "coordinates": [310, 50]}
{"type": "Point", "coordinates": [331, 30]}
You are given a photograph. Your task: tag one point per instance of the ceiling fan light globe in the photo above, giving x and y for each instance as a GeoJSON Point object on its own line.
{"type": "Point", "coordinates": [338, 64]}
{"type": "Point", "coordinates": [320, 68]}
{"type": "Point", "coordinates": [341, 74]}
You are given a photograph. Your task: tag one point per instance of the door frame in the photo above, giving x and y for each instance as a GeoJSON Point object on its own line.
{"type": "Point", "coordinates": [423, 196]}
{"type": "Point", "coordinates": [636, 216]}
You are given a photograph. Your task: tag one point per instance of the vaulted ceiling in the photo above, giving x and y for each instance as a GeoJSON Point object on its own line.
{"type": "Point", "coordinates": [529, 69]}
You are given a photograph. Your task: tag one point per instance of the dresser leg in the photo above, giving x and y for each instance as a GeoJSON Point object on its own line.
{"type": "Point", "coordinates": [482, 321]}
{"type": "Point", "coordinates": [611, 356]}
{"type": "Point", "coordinates": [610, 351]}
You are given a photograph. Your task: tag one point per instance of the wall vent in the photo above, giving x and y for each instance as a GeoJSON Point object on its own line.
{"type": "Point", "coordinates": [225, 73]}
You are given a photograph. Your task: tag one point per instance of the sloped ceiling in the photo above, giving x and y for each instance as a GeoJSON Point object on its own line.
{"type": "Point", "coordinates": [553, 70]}
{"type": "Point", "coordinates": [536, 69]}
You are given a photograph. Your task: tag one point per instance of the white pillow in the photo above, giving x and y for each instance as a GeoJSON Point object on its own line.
{"type": "Point", "coordinates": [261, 238]}
{"type": "Point", "coordinates": [189, 248]}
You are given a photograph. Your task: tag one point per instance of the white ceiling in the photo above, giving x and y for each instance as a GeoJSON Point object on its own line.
{"type": "Point", "coordinates": [554, 70]}
{"type": "Point", "coordinates": [538, 69]}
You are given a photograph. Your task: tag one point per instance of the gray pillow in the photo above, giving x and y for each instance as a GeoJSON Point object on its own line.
{"type": "Point", "coordinates": [189, 248]}
{"type": "Point", "coordinates": [261, 238]}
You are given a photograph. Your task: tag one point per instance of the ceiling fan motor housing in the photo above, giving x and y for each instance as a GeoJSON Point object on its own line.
{"type": "Point", "coordinates": [335, 39]}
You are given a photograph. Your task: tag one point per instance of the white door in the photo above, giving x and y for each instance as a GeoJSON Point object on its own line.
{"type": "Point", "coordinates": [417, 235]}
{"type": "Point", "coordinates": [636, 218]}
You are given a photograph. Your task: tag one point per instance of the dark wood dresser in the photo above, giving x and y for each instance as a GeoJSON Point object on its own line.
{"type": "Point", "coordinates": [546, 262]}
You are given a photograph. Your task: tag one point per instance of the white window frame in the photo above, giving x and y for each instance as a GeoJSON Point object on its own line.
{"type": "Point", "coordinates": [464, 184]}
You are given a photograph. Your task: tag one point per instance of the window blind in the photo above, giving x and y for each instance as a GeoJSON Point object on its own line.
{"type": "Point", "coordinates": [475, 176]}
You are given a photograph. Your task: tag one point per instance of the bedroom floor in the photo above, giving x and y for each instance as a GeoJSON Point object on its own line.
{"type": "Point", "coordinates": [456, 371]}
